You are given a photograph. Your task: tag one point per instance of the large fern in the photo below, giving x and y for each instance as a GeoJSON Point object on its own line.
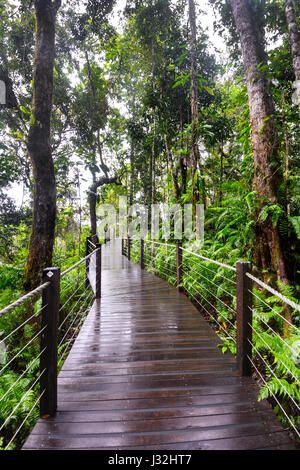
{"type": "Point", "coordinates": [295, 221]}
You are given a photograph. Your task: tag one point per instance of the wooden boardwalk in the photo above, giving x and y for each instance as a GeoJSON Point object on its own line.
{"type": "Point", "coordinates": [145, 372]}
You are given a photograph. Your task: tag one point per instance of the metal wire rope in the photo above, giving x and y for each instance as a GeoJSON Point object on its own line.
{"type": "Point", "coordinates": [26, 345]}
{"type": "Point", "coordinates": [23, 299]}
{"type": "Point", "coordinates": [274, 292]}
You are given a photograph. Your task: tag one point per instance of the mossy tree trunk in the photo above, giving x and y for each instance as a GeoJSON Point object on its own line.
{"type": "Point", "coordinates": [268, 173]}
{"type": "Point", "coordinates": [39, 148]}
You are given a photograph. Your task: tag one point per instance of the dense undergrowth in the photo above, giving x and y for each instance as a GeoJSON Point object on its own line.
{"type": "Point", "coordinates": [20, 352]}
{"type": "Point", "coordinates": [275, 328]}
{"type": "Point", "coordinates": [228, 236]}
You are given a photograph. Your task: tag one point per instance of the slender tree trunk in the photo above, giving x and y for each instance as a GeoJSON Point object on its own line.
{"type": "Point", "coordinates": [267, 171]}
{"type": "Point", "coordinates": [153, 162]}
{"type": "Point", "coordinates": [183, 158]}
{"type": "Point", "coordinates": [221, 171]}
{"type": "Point", "coordinates": [290, 12]}
{"type": "Point", "coordinates": [92, 205]}
{"type": "Point", "coordinates": [132, 175]}
{"type": "Point", "coordinates": [39, 148]}
{"type": "Point", "coordinates": [173, 171]}
{"type": "Point", "coordinates": [203, 185]}
{"type": "Point", "coordinates": [287, 155]}
{"type": "Point", "coordinates": [93, 90]}
{"type": "Point", "coordinates": [93, 189]}
{"type": "Point", "coordinates": [80, 223]}
{"type": "Point", "coordinates": [194, 151]}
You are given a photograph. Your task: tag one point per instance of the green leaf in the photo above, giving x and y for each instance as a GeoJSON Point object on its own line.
{"type": "Point", "coordinates": [25, 110]}
{"type": "Point", "coordinates": [295, 221]}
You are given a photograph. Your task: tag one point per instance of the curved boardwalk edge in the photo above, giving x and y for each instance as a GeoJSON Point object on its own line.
{"type": "Point", "coordinates": [145, 372]}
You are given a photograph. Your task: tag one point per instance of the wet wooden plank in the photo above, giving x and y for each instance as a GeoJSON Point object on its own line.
{"type": "Point", "coordinates": [147, 385]}
{"type": "Point", "coordinates": [278, 440]}
{"type": "Point", "coordinates": [152, 425]}
{"type": "Point", "coordinates": [141, 378]}
{"type": "Point", "coordinates": [146, 373]}
{"type": "Point", "coordinates": [189, 368]}
{"type": "Point", "coordinates": [162, 402]}
{"type": "Point", "coordinates": [155, 392]}
{"type": "Point", "coordinates": [106, 415]}
{"type": "Point", "coordinates": [158, 438]}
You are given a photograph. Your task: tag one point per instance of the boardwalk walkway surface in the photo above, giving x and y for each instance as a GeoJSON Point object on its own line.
{"type": "Point", "coordinates": [145, 372]}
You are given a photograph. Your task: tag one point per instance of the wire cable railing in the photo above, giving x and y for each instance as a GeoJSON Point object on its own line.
{"type": "Point", "coordinates": [275, 344]}
{"type": "Point", "coordinates": [34, 329]}
{"type": "Point", "coordinates": [34, 293]}
{"type": "Point", "coordinates": [212, 291]}
{"type": "Point", "coordinates": [256, 322]}
{"type": "Point", "coordinates": [160, 258]}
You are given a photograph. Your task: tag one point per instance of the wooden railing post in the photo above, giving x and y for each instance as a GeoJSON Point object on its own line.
{"type": "Point", "coordinates": [128, 248]}
{"type": "Point", "coordinates": [244, 317]}
{"type": "Point", "coordinates": [167, 260]}
{"type": "Point", "coordinates": [87, 263]}
{"type": "Point", "coordinates": [98, 270]}
{"type": "Point", "coordinates": [142, 262]}
{"type": "Point", "coordinates": [153, 253]}
{"type": "Point", "coordinates": [178, 265]}
{"type": "Point", "coordinates": [122, 246]}
{"type": "Point", "coordinates": [49, 326]}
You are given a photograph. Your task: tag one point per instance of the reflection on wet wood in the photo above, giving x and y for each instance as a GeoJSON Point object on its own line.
{"type": "Point", "coordinates": [146, 373]}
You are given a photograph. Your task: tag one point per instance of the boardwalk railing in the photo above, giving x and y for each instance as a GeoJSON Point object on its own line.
{"type": "Point", "coordinates": [256, 322]}
{"type": "Point", "coordinates": [37, 332]}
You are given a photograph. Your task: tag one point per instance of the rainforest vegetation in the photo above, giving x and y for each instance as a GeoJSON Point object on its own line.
{"type": "Point", "coordinates": [162, 101]}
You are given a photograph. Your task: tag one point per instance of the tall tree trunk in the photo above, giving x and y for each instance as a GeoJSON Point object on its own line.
{"type": "Point", "coordinates": [92, 195]}
{"type": "Point", "coordinates": [174, 173]}
{"type": "Point", "coordinates": [194, 151]}
{"type": "Point", "coordinates": [132, 174]}
{"type": "Point", "coordinates": [153, 162]}
{"type": "Point", "coordinates": [92, 198]}
{"type": "Point", "coordinates": [183, 158]}
{"type": "Point", "coordinates": [290, 13]}
{"type": "Point", "coordinates": [39, 148]}
{"type": "Point", "coordinates": [221, 171]}
{"type": "Point", "coordinates": [287, 154]}
{"type": "Point", "coordinates": [267, 171]}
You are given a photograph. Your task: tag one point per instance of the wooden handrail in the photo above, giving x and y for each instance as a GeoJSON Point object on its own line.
{"type": "Point", "coordinates": [49, 327]}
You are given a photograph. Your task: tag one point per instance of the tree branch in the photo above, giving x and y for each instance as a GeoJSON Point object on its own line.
{"type": "Point", "coordinates": [116, 179]}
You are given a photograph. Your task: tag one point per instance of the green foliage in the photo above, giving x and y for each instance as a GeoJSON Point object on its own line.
{"type": "Point", "coordinates": [10, 277]}
{"type": "Point", "coordinates": [276, 349]}
{"type": "Point", "coordinates": [16, 404]}
{"type": "Point", "coordinates": [211, 287]}
{"type": "Point", "coordinates": [20, 357]}
{"type": "Point", "coordinates": [274, 210]}
{"type": "Point", "coordinates": [121, 105]}
{"type": "Point", "coordinates": [295, 221]}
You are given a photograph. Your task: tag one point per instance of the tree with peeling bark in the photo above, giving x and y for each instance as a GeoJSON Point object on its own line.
{"type": "Point", "coordinates": [39, 146]}
{"type": "Point", "coordinates": [267, 165]}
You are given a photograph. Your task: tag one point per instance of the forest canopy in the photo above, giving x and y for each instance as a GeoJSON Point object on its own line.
{"type": "Point", "coordinates": [158, 102]}
{"type": "Point", "coordinates": [141, 99]}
